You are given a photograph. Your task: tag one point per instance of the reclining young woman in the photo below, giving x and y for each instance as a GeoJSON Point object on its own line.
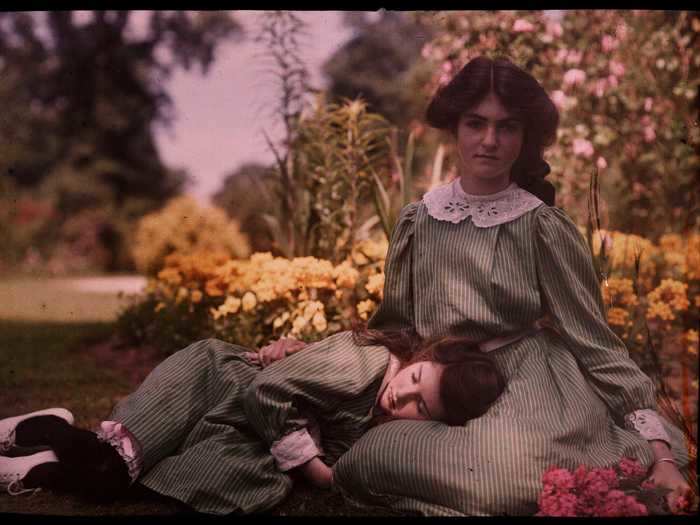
{"type": "Point", "coordinates": [214, 428]}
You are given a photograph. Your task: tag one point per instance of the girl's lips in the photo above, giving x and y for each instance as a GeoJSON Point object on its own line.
{"type": "Point", "coordinates": [488, 157]}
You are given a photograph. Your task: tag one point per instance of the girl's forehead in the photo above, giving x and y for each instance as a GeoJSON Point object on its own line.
{"type": "Point", "coordinates": [491, 107]}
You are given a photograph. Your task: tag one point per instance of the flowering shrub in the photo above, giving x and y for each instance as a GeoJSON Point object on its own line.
{"type": "Point", "coordinates": [251, 301]}
{"type": "Point", "coordinates": [184, 227]}
{"type": "Point", "coordinates": [600, 492]}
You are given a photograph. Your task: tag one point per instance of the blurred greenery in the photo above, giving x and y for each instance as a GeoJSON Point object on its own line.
{"type": "Point", "coordinates": [81, 97]}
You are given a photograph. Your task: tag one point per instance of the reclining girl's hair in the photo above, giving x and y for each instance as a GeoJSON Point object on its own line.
{"type": "Point", "coordinates": [471, 381]}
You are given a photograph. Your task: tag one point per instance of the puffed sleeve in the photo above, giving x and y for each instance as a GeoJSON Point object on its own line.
{"type": "Point", "coordinates": [571, 293]}
{"type": "Point", "coordinates": [396, 308]}
{"type": "Point", "coordinates": [319, 381]}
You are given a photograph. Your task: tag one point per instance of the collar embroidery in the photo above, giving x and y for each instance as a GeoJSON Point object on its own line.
{"type": "Point", "coordinates": [450, 203]}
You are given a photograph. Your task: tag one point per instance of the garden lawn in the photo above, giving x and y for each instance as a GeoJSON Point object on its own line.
{"type": "Point", "coordinates": [55, 364]}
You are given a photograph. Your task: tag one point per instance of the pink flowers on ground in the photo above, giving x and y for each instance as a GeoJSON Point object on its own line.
{"type": "Point", "coordinates": [591, 492]}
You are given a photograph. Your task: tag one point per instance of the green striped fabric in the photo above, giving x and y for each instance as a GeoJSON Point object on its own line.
{"type": "Point", "coordinates": [566, 394]}
{"type": "Point", "coordinates": [206, 417]}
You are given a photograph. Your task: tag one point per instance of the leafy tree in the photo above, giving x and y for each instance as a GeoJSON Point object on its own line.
{"type": "Point", "coordinates": [246, 195]}
{"type": "Point", "coordinates": [377, 64]}
{"type": "Point", "coordinates": [84, 94]}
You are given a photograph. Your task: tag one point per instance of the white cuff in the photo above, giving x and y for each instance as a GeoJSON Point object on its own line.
{"type": "Point", "coordinates": [294, 449]}
{"type": "Point", "coordinates": [648, 424]}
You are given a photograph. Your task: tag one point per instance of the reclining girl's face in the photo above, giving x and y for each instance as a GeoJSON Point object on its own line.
{"type": "Point", "coordinates": [414, 393]}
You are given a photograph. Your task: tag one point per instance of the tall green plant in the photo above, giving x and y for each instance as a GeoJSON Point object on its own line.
{"type": "Point", "coordinates": [340, 148]}
{"type": "Point", "coordinates": [279, 34]}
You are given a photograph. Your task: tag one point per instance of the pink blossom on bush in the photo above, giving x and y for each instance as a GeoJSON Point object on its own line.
{"type": "Point", "coordinates": [522, 26]}
{"type": "Point", "coordinates": [582, 148]}
{"type": "Point", "coordinates": [648, 104]}
{"type": "Point", "coordinates": [574, 77]}
{"type": "Point", "coordinates": [574, 57]}
{"type": "Point", "coordinates": [617, 68]}
{"type": "Point", "coordinates": [601, 163]}
{"type": "Point", "coordinates": [559, 98]}
{"type": "Point", "coordinates": [561, 56]}
{"type": "Point", "coordinates": [612, 80]}
{"type": "Point", "coordinates": [649, 133]}
{"type": "Point", "coordinates": [621, 31]}
{"type": "Point", "coordinates": [608, 43]}
{"type": "Point", "coordinates": [599, 87]}
{"type": "Point", "coordinates": [554, 29]}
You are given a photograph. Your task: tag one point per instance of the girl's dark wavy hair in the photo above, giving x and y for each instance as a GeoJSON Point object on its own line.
{"type": "Point", "coordinates": [520, 94]}
{"type": "Point", "coordinates": [470, 383]}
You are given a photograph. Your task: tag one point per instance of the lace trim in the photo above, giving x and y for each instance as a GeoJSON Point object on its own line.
{"type": "Point", "coordinates": [296, 448]}
{"type": "Point", "coordinates": [450, 203]}
{"type": "Point", "coordinates": [125, 444]}
{"type": "Point", "coordinates": [648, 424]}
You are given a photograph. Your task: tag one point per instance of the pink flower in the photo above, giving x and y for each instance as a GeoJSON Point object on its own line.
{"type": "Point", "coordinates": [608, 43]}
{"type": "Point", "coordinates": [617, 503]}
{"type": "Point", "coordinates": [574, 77]}
{"type": "Point", "coordinates": [648, 104]}
{"type": "Point", "coordinates": [617, 68]}
{"type": "Point", "coordinates": [559, 98]}
{"type": "Point", "coordinates": [582, 148]}
{"type": "Point", "coordinates": [561, 56]}
{"type": "Point", "coordinates": [522, 26]}
{"type": "Point", "coordinates": [554, 29]}
{"type": "Point", "coordinates": [629, 467]}
{"type": "Point", "coordinates": [599, 87]}
{"type": "Point", "coordinates": [574, 57]}
{"type": "Point", "coordinates": [612, 80]}
{"type": "Point", "coordinates": [559, 478]}
{"type": "Point", "coordinates": [621, 31]}
{"type": "Point", "coordinates": [601, 163]}
{"type": "Point", "coordinates": [558, 505]}
{"type": "Point", "coordinates": [649, 133]}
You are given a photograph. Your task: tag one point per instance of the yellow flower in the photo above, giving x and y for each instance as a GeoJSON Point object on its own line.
{"type": "Point", "coordinates": [182, 294]}
{"type": "Point", "coordinates": [375, 285]}
{"type": "Point", "coordinates": [196, 296]}
{"type": "Point", "coordinates": [159, 307]}
{"type": "Point", "coordinates": [618, 316]}
{"type": "Point", "coordinates": [671, 242]}
{"type": "Point", "coordinates": [691, 340]}
{"type": "Point", "coordinates": [230, 306]}
{"type": "Point", "coordinates": [365, 308]}
{"type": "Point", "coordinates": [692, 257]}
{"type": "Point", "coordinates": [299, 324]}
{"type": "Point", "coordinates": [345, 275]}
{"type": "Point", "coordinates": [248, 301]}
{"type": "Point", "coordinates": [319, 322]}
{"type": "Point", "coordinates": [280, 320]}
{"type": "Point", "coordinates": [310, 309]}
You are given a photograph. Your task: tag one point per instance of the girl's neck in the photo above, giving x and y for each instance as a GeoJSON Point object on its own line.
{"type": "Point", "coordinates": [473, 186]}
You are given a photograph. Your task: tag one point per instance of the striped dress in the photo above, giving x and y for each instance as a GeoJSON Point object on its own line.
{"type": "Point", "coordinates": [206, 418]}
{"type": "Point", "coordinates": [567, 390]}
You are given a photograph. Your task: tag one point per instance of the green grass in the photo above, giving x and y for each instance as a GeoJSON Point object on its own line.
{"type": "Point", "coordinates": [44, 365]}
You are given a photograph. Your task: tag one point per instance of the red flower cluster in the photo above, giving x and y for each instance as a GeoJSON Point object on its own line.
{"type": "Point", "coordinates": [591, 492]}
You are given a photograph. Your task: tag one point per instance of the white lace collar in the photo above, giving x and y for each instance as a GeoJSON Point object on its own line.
{"type": "Point", "coordinates": [450, 203]}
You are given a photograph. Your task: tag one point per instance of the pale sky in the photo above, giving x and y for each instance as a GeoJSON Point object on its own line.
{"type": "Point", "coordinates": [219, 117]}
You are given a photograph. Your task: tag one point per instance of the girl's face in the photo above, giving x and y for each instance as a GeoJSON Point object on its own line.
{"type": "Point", "coordinates": [489, 140]}
{"type": "Point", "coordinates": [414, 393]}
